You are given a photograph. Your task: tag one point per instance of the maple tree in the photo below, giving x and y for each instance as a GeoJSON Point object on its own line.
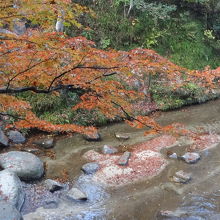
{"type": "Point", "coordinates": [44, 61]}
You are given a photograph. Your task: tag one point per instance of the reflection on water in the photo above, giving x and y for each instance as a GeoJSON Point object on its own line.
{"type": "Point", "coordinates": [197, 207]}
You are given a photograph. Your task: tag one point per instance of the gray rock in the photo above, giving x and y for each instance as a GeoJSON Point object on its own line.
{"type": "Point", "coordinates": [9, 212]}
{"type": "Point", "coordinates": [45, 143]}
{"type": "Point", "coordinates": [3, 139]}
{"type": "Point", "coordinates": [122, 136]}
{"type": "Point", "coordinates": [53, 185]}
{"type": "Point", "coordinates": [190, 157]}
{"type": "Point", "coordinates": [123, 160]}
{"type": "Point", "coordinates": [16, 137]}
{"type": "Point", "coordinates": [11, 189]}
{"type": "Point", "coordinates": [51, 204]}
{"type": "Point", "coordinates": [109, 150]}
{"type": "Point", "coordinates": [26, 165]}
{"type": "Point", "coordinates": [90, 168]}
{"type": "Point", "coordinates": [182, 177]}
{"type": "Point", "coordinates": [76, 194]}
{"type": "Point", "coordinates": [93, 137]}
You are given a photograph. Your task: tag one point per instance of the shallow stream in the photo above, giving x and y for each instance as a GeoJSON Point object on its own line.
{"type": "Point", "coordinates": [197, 200]}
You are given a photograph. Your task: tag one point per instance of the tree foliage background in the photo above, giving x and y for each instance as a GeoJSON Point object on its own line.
{"type": "Point", "coordinates": [43, 70]}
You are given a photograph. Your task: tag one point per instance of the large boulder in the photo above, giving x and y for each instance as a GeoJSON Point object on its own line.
{"type": "Point", "coordinates": [9, 212]}
{"type": "Point", "coordinates": [11, 189]}
{"type": "Point", "coordinates": [3, 139]}
{"type": "Point", "coordinates": [26, 165]}
{"type": "Point", "coordinates": [16, 137]}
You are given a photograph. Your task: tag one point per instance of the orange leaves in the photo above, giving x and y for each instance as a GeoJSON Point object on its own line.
{"type": "Point", "coordinates": [46, 61]}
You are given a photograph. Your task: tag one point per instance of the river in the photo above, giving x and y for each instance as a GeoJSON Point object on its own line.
{"type": "Point", "coordinates": [144, 199]}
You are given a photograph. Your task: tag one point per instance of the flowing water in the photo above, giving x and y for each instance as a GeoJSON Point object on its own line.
{"type": "Point", "coordinates": [143, 200]}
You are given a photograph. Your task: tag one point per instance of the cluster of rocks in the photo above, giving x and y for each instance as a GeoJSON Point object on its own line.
{"type": "Point", "coordinates": [190, 158]}
{"type": "Point", "coordinates": [16, 166]}
{"type": "Point", "coordinates": [97, 136]}
{"type": "Point", "coordinates": [25, 166]}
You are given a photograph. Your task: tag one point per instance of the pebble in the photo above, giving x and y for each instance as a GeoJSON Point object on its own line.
{"type": "Point", "coordinates": [93, 137]}
{"type": "Point", "coordinates": [123, 160]}
{"type": "Point", "coordinates": [182, 177]}
{"type": "Point", "coordinates": [46, 143]}
{"type": "Point", "coordinates": [122, 136]}
{"type": "Point", "coordinates": [109, 150]}
{"type": "Point", "coordinates": [190, 157]}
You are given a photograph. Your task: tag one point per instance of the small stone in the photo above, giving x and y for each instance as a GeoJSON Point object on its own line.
{"type": "Point", "coordinates": [31, 150]}
{"type": "Point", "coordinates": [109, 150]}
{"type": "Point", "coordinates": [190, 157]}
{"type": "Point", "coordinates": [123, 160]}
{"type": "Point", "coordinates": [182, 177]}
{"type": "Point", "coordinates": [16, 137]}
{"type": "Point", "coordinates": [122, 136]}
{"type": "Point", "coordinates": [51, 204]}
{"type": "Point", "coordinates": [3, 139]}
{"type": "Point", "coordinates": [92, 137]}
{"type": "Point", "coordinates": [173, 156]}
{"type": "Point", "coordinates": [76, 194]}
{"type": "Point", "coordinates": [90, 168]}
{"type": "Point", "coordinates": [46, 143]}
{"type": "Point", "coordinates": [53, 185]}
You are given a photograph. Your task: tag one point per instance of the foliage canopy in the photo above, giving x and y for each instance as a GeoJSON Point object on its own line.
{"type": "Point", "coordinates": [43, 61]}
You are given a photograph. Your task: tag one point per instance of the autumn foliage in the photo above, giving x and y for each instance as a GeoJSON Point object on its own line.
{"type": "Point", "coordinates": [44, 61]}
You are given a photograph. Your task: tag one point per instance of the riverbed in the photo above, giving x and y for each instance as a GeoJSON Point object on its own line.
{"type": "Point", "coordinates": [144, 199]}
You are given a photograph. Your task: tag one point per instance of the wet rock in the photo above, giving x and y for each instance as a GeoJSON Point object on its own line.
{"type": "Point", "coordinates": [51, 204]}
{"type": "Point", "coordinates": [16, 137]}
{"type": "Point", "coordinates": [123, 160]}
{"type": "Point", "coordinates": [11, 189]}
{"type": "Point", "coordinates": [92, 137]}
{"type": "Point", "coordinates": [27, 166]}
{"type": "Point", "coordinates": [190, 157]}
{"type": "Point", "coordinates": [3, 139]}
{"type": "Point", "coordinates": [53, 185]}
{"type": "Point", "coordinates": [76, 194]}
{"type": "Point", "coordinates": [122, 136]}
{"type": "Point", "coordinates": [46, 143]}
{"type": "Point", "coordinates": [182, 177]}
{"type": "Point", "coordinates": [9, 212]}
{"type": "Point", "coordinates": [109, 150]}
{"type": "Point", "coordinates": [90, 168]}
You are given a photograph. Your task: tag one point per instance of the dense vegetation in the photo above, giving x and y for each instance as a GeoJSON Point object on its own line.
{"type": "Point", "coordinates": [185, 31]}
{"type": "Point", "coordinates": [52, 78]}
